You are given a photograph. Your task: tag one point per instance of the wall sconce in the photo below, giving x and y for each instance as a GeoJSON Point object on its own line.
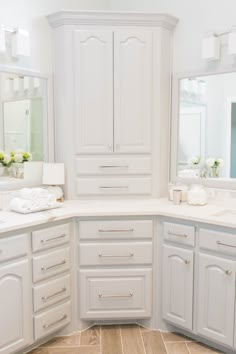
{"type": "Point", "coordinates": [20, 41]}
{"type": "Point", "coordinates": [232, 41]}
{"type": "Point", "coordinates": [211, 47]}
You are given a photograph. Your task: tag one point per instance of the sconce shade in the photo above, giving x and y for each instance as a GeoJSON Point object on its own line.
{"type": "Point", "coordinates": [2, 41]}
{"type": "Point", "coordinates": [53, 174]}
{"type": "Point", "coordinates": [20, 44]}
{"type": "Point", "coordinates": [211, 47]}
{"type": "Point", "coordinates": [232, 42]}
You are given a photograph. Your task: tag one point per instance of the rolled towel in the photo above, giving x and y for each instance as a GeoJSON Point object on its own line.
{"type": "Point", "coordinates": [20, 205]}
{"type": "Point", "coordinates": [45, 201]}
{"type": "Point", "coordinates": [32, 193]}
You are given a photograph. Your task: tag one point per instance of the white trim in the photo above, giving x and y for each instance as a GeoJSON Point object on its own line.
{"type": "Point", "coordinates": [107, 18]}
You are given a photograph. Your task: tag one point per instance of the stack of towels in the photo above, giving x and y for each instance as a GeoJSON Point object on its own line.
{"type": "Point", "coordinates": [32, 199]}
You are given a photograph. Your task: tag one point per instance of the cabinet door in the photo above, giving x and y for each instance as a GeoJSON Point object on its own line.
{"type": "Point", "coordinates": [93, 67]}
{"type": "Point", "coordinates": [177, 275]}
{"type": "Point", "coordinates": [15, 307]}
{"type": "Point", "coordinates": [216, 295]}
{"type": "Point", "coordinates": [132, 90]}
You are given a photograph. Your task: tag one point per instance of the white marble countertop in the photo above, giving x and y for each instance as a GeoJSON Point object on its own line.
{"type": "Point", "coordinates": [10, 221]}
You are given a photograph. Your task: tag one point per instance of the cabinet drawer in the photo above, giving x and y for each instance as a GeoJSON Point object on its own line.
{"type": "Point", "coordinates": [116, 253]}
{"type": "Point", "coordinates": [113, 186]}
{"type": "Point", "coordinates": [116, 293]}
{"type": "Point", "coordinates": [110, 229]}
{"type": "Point", "coordinates": [52, 320]}
{"type": "Point", "coordinates": [218, 241]}
{"type": "Point", "coordinates": [113, 166]}
{"type": "Point", "coordinates": [13, 247]}
{"type": "Point", "coordinates": [51, 292]}
{"type": "Point", "coordinates": [51, 264]}
{"type": "Point", "coordinates": [50, 237]}
{"type": "Point", "coordinates": [179, 233]}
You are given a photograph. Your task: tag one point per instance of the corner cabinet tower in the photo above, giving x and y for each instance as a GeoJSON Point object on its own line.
{"type": "Point", "coordinates": [112, 76]}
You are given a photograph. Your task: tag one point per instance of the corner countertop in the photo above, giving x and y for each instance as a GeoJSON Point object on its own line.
{"type": "Point", "coordinates": [10, 221]}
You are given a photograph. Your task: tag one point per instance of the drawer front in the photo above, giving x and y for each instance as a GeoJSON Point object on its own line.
{"type": "Point", "coordinates": [115, 253]}
{"type": "Point", "coordinates": [120, 229]}
{"type": "Point", "coordinates": [52, 292]}
{"type": "Point", "coordinates": [218, 241]}
{"type": "Point", "coordinates": [179, 233]}
{"type": "Point", "coordinates": [113, 166]}
{"type": "Point", "coordinates": [116, 293]}
{"type": "Point", "coordinates": [53, 263]}
{"type": "Point", "coordinates": [50, 237]}
{"type": "Point", "coordinates": [52, 320]}
{"type": "Point", "coordinates": [13, 247]}
{"type": "Point", "coordinates": [113, 186]}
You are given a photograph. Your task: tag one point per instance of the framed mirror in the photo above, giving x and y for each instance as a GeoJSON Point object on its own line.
{"type": "Point", "coordinates": [25, 131]}
{"type": "Point", "coordinates": [203, 129]}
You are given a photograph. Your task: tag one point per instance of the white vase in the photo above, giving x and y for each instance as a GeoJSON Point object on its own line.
{"type": "Point", "coordinates": [197, 195]}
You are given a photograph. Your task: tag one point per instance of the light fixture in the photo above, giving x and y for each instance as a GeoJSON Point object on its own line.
{"type": "Point", "coordinates": [53, 176]}
{"type": "Point", "coordinates": [211, 47]}
{"type": "Point", "coordinates": [232, 41]}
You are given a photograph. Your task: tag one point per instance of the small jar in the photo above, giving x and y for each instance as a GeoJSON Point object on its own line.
{"type": "Point", "coordinates": [183, 188]}
{"type": "Point", "coordinates": [197, 195]}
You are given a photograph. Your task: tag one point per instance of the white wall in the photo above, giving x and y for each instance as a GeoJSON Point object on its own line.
{"type": "Point", "coordinates": [196, 17]}
{"type": "Point", "coordinates": [30, 14]}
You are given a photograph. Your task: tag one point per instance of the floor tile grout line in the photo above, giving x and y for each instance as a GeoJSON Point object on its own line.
{"type": "Point", "coordinates": [142, 340]}
{"type": "Point", "coordinates": [164, 343]}
{"type": "Point", "coordinates": [187, 347]}
{"type": "Point", "coordinates": [122, 347]}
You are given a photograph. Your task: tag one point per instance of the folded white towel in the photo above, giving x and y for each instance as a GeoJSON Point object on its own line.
{"type": "Point", "coordinates": [20, 205]}
{"type": "Point", "coordinates": [32, 193]}
{"type": "Point", "coordinates": [26, 205]}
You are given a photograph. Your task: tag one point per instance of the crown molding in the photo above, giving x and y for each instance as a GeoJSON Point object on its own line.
{"type": "Point", "coordinates": [107, 18]}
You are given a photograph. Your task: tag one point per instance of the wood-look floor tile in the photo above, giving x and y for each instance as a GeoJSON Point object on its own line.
{"type": "Point", "coordinates": [198, 348]}
{"type": "Point", "coordinates": [131, 339]}
{"type": "Point", "coordinates": [91, 336]}
{"type": "Point", "coordinates": [175, 337]}
{"type": "Point", "coordinates": [177, 348]}
{"type": "Point", "coordinates": [153, 342]}
{"type": "Point", "coordinates": [92, 349]}
{"type": "Point", "coordinates": [64, 341]}
{"type": "Point", "coordinates": [111, 340]}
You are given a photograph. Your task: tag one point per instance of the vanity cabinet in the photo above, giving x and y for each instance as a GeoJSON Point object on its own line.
{"type": "Point", "coordinates": [15, 291]}
{"type": "Point", "coordinates": [112, 92]}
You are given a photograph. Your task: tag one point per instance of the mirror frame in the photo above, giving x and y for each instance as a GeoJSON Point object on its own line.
{"type": "Point", "coordinates": [222, 183]}
{"type": "Point", "coordinates": [49, 125]}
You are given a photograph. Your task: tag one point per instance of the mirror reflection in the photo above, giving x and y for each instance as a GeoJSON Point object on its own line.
{"type": "Point", "coordinates": [22, 116]}
{"type": "Point", "coordinates": [207, 126]}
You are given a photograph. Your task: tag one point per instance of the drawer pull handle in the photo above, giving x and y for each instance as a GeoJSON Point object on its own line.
{"type": "Point", "coordinates": [174, 234]}
{"type": "Point", "coordinates": [187, 261]}
{"type": "Point", "coordinates": [64, 317]}
{"type": "Point", "coordinates": [114, 166]}
{"type": "Point", "coordinates": [116, 230]}
{"type": "Point", "coordinates": [224, 244]}
{"type": "Point", "coordinates": [115, 296]}
{"type": "Point", "coordinates": [114, 187]}
{"type": "Point", "coordinates": [53, 266]}
{"type": "Point", "coordinates": [115, 256]}
{"type": "Point", "coordinates": [52, 239]}
{"type": "Point", "coordinates": [48, 297]}
{"type": "Point", "coordinates": [228, 272]}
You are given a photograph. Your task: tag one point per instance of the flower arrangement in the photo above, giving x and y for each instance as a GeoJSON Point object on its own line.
{"type": "Point", "coordinates": [20, 156]}
{"type": "Point", "coordinates": [194, 161]}
{"type": "Point", "coordinates": [214, 165]}
{"type": "Point", "coordinates": [5, 159]}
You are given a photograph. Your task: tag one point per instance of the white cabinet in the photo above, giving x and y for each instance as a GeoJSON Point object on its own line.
{"type": "Point", "coordinates": [93, 66]}
{"type": "Point", "coordinates": [177, 285]}
{"type": "Point", "coordinates": [15, 309]}
{"type": "Point", "coordinates": [132, 90]}
{"type": "Point", "coordinates": [216, 298]}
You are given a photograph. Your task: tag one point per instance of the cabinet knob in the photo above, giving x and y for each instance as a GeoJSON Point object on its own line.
{"type": "Point", "coordinates": [228, 272]}
{"type": "Point", "coordinates": [187, 261]}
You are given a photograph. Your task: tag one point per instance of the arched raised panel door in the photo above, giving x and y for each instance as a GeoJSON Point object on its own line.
{"type": "Point", "coordinates": [132, 91]}
{"type": "Point", "coordinates": [216, 298]}
{"type": "Point", "coordinates": [15, 307]}
{"type": "Point", "coordinates": [177, 286]}
{"type": "Point", "coordinates": [93, 94]}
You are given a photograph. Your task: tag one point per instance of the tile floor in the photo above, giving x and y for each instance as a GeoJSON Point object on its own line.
{"type": "Point", "coordinates": [125, 339]}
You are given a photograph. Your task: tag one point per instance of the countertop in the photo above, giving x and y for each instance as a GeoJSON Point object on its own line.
{"type": "Point", "coordinates": [10, 221]}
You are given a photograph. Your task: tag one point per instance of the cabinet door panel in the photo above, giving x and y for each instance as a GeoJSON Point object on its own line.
{"type": "Point", "coordinates": [178, 286]}
{"type": "Point", "coordinates": [93, 68]}
{"type": "Point", "coordinates": [216, 294]}
{"type": "Point", "coordinates": [132, 90]}
{"type": "Point", "coordinates": [15, 319]}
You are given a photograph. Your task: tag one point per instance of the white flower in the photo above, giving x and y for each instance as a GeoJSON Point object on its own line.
{"type": "Point", "coordinates": [194, 160]}
{"type": "Point", "coordinates": [220, 162]}
{"type": "Point", "coordinates": [18, 157]}
{"type": "Point", "coordinates": [210, 162]}
{"type": "Point", "coordinates": [7, 159]}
